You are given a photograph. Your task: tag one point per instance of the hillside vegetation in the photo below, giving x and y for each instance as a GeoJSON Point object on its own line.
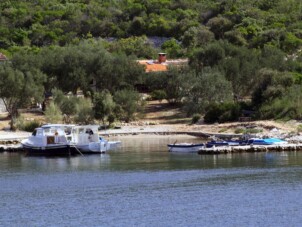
{"type": "Point", "coordinates": [244, 57]}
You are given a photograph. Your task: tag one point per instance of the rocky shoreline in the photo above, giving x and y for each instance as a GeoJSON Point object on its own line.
{"type": "Point", "coordinates": [10, 141]}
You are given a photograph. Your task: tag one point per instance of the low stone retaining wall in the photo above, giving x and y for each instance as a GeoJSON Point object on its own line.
{"type": "Point", "coordinates": [10, 145]}
{"type": "Point", "coordinates": [250, 148]}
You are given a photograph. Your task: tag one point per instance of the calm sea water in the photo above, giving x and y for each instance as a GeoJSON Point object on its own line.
{"type": "Point", "coordinates": [144, 185]}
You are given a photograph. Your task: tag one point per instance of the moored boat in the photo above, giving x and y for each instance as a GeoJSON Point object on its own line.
{"type": "Point", "coordinates": [225, 143]}
{"type": "Point", "coordinates": [185, 147]}
{"type": "Point", "coordinates": [266, 141]}
{"type": "Point", "coordinates": [86, 139]}
{"type": "Point", "coordinates": [48, 140]}
{"type": "Point", "coordinates": [111, 145]}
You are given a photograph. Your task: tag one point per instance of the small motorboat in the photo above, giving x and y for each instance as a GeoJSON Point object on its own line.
{"type": "Point", "coordinates": [266, 141]}
{"type": "Point", "coordinates": [185, 147]}
{"type": "Point", "coordinates": [225, 143]}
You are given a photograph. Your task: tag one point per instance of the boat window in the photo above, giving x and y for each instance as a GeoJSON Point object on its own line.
{"type": "Point", "coordinates": [34, 132]}
{"type": "Point", "coordinates": [39, 132]}
{"type": "Point", "coordinates": [89, 131]}
{"type": "Point", "coordinates": [67, 131]}
{"type": "Point", "coordinates": [81, 130]}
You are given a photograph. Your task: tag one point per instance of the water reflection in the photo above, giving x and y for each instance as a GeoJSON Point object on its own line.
{"type": "Point", "coordinates": [143, 184]}
{"type": "Point", "coordinates": [148, 154]}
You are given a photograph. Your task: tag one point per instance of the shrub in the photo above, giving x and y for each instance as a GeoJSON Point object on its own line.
{"type": "Point", "coordinates": [239, 130]}
{"type": "Point", "coordinates": [248, 130]}
{"type": "Point", "coordinates": [53, 113]}
{"type": "Point", "coordinates": [129, 103]}
{"type": "Point", "coordinates": [213, 114]}
{"type": "Point", "coordinates": [195, 118]}
{"type": "Point", "coordinates": [27, 126]}
{"type": "Point", "coordinates": [223, 130]}
{"type": "Point", "coordinates": [222, 112]}
{"type": "Point", "coordinates": [253, 130]}
{"type": "Point", "coordinates": [84, 112]}
{"type": "Point", "coordinates": [299, 128]}
{"type": "Point", "coordinates": [31, 125]}
{"type": "Point", "coordinates": [158, 95]}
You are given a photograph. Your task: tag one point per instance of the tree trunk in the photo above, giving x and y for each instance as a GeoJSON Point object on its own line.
{"type": "Point", "coordinates": [13, 116]}
{"type": "Point", "coordinates": [12, 123]}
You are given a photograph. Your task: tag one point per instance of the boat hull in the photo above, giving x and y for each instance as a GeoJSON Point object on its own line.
{"type": "Point", "coordinates": [113, 145]}
{"type": "Point", "coordinates": [225, 143]}
{"type": "Point", "coordinates": [92, 148]}
{"type": "Point", "coordinates": [97, 147]}
{"type": "Point", "coordinates": [185, 148]}
{"type": "Point", "coordinates": [58, 150]}
{"type": "Point", "coordinates": [266, 141]}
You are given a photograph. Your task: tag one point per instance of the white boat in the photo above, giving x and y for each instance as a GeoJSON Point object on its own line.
{"type": "Point", "coordinates": [86, 139]}
{"type": "Point", "coordinates": [48, 140]}
{"type": "Point", "coordinates": [111, 145]}
{"type": "Point", "coordinates": [185, 147]}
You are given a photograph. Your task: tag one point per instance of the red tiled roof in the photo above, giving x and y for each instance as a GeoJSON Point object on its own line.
{"type": "Point", "coordinates": [151, 66]}
{"type": "Point", "coordinates": [2, 57]}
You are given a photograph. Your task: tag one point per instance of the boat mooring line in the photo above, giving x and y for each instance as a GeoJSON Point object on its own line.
{"type": "Point", "coordinates": [77, 150]}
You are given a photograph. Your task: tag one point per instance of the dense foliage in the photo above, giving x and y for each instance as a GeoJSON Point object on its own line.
{"type": "Point", "coordinates": [239, 51]}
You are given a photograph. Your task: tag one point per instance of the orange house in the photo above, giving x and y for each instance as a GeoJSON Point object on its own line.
{"type": "Point", "coordinates": [3, 57]}
{"type": "Point", "coordinates": [161, 64]}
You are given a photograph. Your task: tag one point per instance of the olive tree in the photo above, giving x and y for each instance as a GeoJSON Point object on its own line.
{"type": "Point", "coordinates": [206, 88]}
{"type": "Point", "coordinates": [84, 113]}
{"type": "Point", "coordinates": [18, 87]}
{"type": "Point", "coordinates": [103, 105]}
{"type": "Point", "coordinates": [129, 102]}
{"type": "Point", "coordinates": [53, 113]}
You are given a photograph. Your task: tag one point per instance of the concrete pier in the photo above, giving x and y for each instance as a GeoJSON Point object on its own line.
{"type": "Point", "coordinates": [250, 148]}
{"type": "Point", "coordinates": [11, 148]}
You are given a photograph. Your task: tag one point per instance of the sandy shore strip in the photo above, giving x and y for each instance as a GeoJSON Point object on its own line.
{"type": "Point", "coordinates": [269, 129]}
{"type": "Point", "coordinates": [10, 135]}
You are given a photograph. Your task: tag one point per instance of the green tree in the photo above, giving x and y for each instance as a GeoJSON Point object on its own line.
{"type": "Point", "coordinates": [130, 103]}
{"type": "Point", "coordinates": [175, 87]}
{"type": "Point", "coordinates": [240, 67]}
{"type": "Point", "coordinates": [69, 108]}
{"type": "Point", "coordinates": [287, 106]}
{"type": "Point", "coordinates": [205, 89]}
{"type": "Point", "coordinates": [19, 87]}
{"type": "Point", "coordinates": [172, 47]}
{"type": "Point", "coordinates": [103, 105]}
{"type": "Point", "coordinates": [219, 25]}
{"type": "Point", "coordinates": [271, 85]}
{"type": "Point", "coordinates": [137, 46]}
{"type": "Point", "coordinates": [53, 113]}
{"type": "Point", "coordinates": [85, 112]}
{"type": "Point", "coordinates": [211, 55]}
{"type": "Point", "coordinates": [197, 37]}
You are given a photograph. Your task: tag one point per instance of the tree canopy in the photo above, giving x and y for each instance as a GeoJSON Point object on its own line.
{"type": "Point", "coordinates": [247, 50]}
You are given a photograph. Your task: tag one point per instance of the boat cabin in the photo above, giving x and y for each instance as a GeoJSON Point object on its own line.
{"type": "Point", "coordinates": [85, 134]}
{"type": "Point", "coordinates": [47, 135]}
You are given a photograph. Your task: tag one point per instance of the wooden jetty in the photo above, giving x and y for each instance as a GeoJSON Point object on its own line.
{"type": "Point", "coordinates": [250, 148]}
